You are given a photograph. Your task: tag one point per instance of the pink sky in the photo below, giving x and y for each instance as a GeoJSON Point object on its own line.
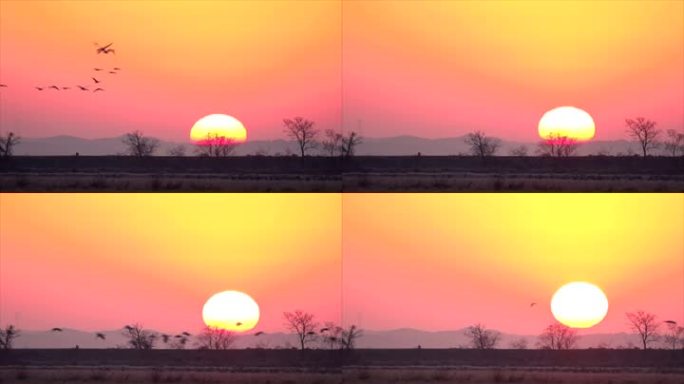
{"type": "Point", "coordinates": [386, 68]}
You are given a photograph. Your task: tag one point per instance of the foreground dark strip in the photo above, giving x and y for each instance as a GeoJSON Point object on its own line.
{"type": "Point", "coordinates": [589, 358]}
{"type": "Point", "coordinates": [321, 174]}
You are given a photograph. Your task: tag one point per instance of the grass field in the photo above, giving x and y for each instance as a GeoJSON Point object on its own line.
{"type": "Point", "coordinates": [321, 174]}
{"type": "Point", "coordinates": [322, 366]}
{"type": "Point", "coordinates": [368, 376]}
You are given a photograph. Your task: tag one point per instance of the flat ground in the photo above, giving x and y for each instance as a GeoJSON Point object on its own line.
{"type": "Point", "coordinates": [362, 366]}
{"type": "Point", "coordinates": [359, 174]}
{"type": "Point", "coordinates": [369, 376]}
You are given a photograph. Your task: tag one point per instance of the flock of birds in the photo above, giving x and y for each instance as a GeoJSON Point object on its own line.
{"type": "Point", "coordinates": [112, 71]}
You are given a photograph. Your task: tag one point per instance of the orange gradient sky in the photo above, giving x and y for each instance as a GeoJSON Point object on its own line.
{"type": "Point", "coordinates": [181, 60]}
{"type": "Point", "coordinates": [382, 261]}
{"type": "Point", "coordinates": [443, 262]}
{"type": "Point", "coordinates": [99, 261]}
{"type": "Point", "coordinates": [385, 68]}
{"type": "Point", "coordinates": [443, 68]}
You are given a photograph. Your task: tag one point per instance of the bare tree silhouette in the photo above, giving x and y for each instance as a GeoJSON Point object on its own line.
{"type": "Point", "coordinates": [331, 335]}
{"type": "Point", "coordinates": [349, 143]}
{"type": "Point", "coordinates": [645, 325]}
{"type": "Point", "coordinates": [216, 146]}
{"type": "Point", "coordinates": [139, 338]}
{"type": "Point", "coordinates": [556, 145]}
{"type": "Point", "coordinates": [481, 144]}
{"type": "Point", "coordinates": [7, 336]}
{"type": "Point", "coordinates": [138, 145]}
{"type": "Point", "coordinates": [7, 144]}
{"type": "Point", "coordinates": [302, 131]}
{"type": "Point", "coordinates": [216, 338]}
{"type": "Point", "coordinates": [558, 336]}
{"type": "Point", "coordinates": [674, 334]}
{"type": "Point", "coordinates": [674, 143]}
{"type": "Point", "coordinates": [644, 132]}
{"type": "Point", "coordinates": [331, 142]}
{"type": "Point", "coordinates": [303, 325]}
{"type": "Point", "coordinates": [481, 337]}
{"type": "Point", "coordinates": [350, 336]}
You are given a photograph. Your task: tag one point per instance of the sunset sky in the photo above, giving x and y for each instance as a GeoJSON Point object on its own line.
{"type": "Point", "coordinates": [426, 261]}
{"type": "Point", "coordinates": [99, 261]}
{"type": "Point", "coordinates": [443, 262]}
{"type": "Point", "coordinates": [180, 60]}
{"type": "Point", "coordinates": [441, 68]}
{"type": "Point", "coordinates": [386, 68]}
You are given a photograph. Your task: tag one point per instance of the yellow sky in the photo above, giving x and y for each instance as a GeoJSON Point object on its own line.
{"type": "Point", "coordinates": [451, 260]}
{"type": "Point", "coordinates": [429, 261]}
{"type": "Point", "coordinates": [101, 260]}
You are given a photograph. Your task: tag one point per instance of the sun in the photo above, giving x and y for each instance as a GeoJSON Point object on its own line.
{"type": "Point", "coordinates": [579, 305]}
{"type": "Point", "coordinates": [569, 122]}
{"type": "Point", "coordinates": [218, 126]}
{"type": "Point", "coordinates": [231, 310]}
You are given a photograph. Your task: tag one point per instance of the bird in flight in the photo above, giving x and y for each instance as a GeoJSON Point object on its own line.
{"type": "Point", "coordinates": [82, 88]}
{"type": "Point", "coordinates": [100, 336]}
{"type": "Point", "coordinates": [533, 304]}
{"type": "Point", "coordinates": [238, 324]}
{"type": "Point", "coordinates": [54, 87]}
{"type": "Point", "coordinates": [95, 80]}
{"type": "Point", "coordinates": [97, 89]}
{"type": "Point", "coordinates": [56, 329]}
{"type": "Point", "coordinates": [105, 49]}
{"type": "Point", "coordinates": [97, 69]}
{"type": "Point", "coordinates": [116, 68]}
{"type": "Point", "coordinates": [66, 88]}
{"type": "Point", "coordinates": [40, 88]}
{"type": "Point", "coordinates": [112, 72]}
{"type": "Point", "coordinates": [258, 333]}
{"type": "Point", "coordinates": [3, 85]}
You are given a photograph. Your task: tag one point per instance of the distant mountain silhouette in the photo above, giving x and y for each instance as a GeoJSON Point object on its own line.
{"type": "Point", "coordinates": [384, 146]}
{"type": "Point", "coordinates": [397, 338]}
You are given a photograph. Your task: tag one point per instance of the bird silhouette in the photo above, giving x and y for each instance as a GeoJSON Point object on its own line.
{"type": "Point", "coordinates": [116, 68]}
{"type": "Point", "coordinates": [238, 324]}
{"type": "Point", "coordinates": [112, 72]}
{"type": "Point", "coordinates": [100, 336]}
{"type": "Point", "coordinates": [82, 88]}
{"type": "Point", "coordinates": [185, 333]}
{"type": "Point", "coordinates": [54, 87]}
{"type": "Point", "coordinates": [325, 329]}
{"type": "Point", "coordinates": [95, 80]}
{"type": "Point", "coordinates": [258, 333]}
{"type": "Point", "coordinates": [311, 333]}
{"type": "Point", "coordinates": [97, 89]}
{"type": "Point", "coordinates": [105, 49]}
{"type": "Point", "coordinates": [3, 85]}
{"type": "Point", "coordinates": [66, 88]}
{"type": "Point", "coordinates": [533, 304]}
{"type": "Point", "coordinates": [97, 69]}
{"type": "Point", "coordinates": [40, 88]}
{"type": "Point", "coordinates": [671, 322]}
{"type": "Point", "coordinates": [56, 329]}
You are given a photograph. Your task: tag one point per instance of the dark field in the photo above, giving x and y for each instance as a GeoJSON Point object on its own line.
{"type": "Point", "coordinates": [363, 366]}
{"type": "Point", "coordinates": [359, 174]}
